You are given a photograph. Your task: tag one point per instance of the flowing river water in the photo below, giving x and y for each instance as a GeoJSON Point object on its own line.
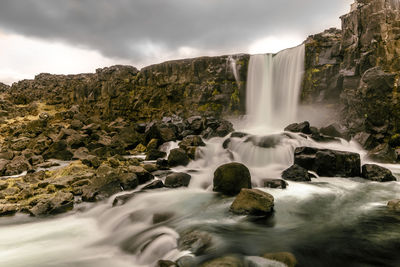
{"type": "Point", "coordinates": [326, 222]}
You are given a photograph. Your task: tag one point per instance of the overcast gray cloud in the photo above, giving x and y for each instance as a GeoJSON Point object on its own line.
{"type": "Point", "coordinates": [131, 29]}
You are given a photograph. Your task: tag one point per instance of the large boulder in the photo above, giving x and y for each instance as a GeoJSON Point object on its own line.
{"type": "Point", "coordinates": [177, 179]}
{"type": "Point", "coordinates": [252, 202]}
{"type": "Point", "coordinates": [178, 157]}
{"type": "Point", "coordinates": [196, 241]}
{"type": "Point", "coordinates": [377, 173]}
{"type": "Point", "coordinates": [230, 178]}
{"type": "Point", "coordinates": [296, 173]}
{"type": "Point", "coordinates": [327, 162]}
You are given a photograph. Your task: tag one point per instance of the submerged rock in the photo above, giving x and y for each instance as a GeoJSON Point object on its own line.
{"type": "Point", "coordinates": [230, 178]}
{"type": "Point", "coordinates": [275, 183]}
{"type": "Point", "coordinates": [228, 261]}
{"type": "Point", "coordinates": [255, 261]}
{"type": "Point", "coordinates": [296, 173]}
{"type": "Point", "coordinates": [285, 257]}
{"type": "Point", "coordinates": [377, 173]}
{"type": "Point", "coordinates": [269, 141]}
{"type": "Point", "coordinates": [197, 242]}
{"type": "Point", "coordinates": [154, 185]}
{"type": "Point", "coordinates": [394, 204]}
{"type": "Point", "coordinates": [252, 202]}
{"type": "Point", "coordinates": [162, 216]}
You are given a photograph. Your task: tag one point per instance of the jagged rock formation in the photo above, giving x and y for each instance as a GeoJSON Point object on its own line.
{"type": "Point", "coordinates": [358, 68]}
{"type": "Point", "coordinates": [3, 87]}
{"type": "Point", "coordinates": [186, 87]}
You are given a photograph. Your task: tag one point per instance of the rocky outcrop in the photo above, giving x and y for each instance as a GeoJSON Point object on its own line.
{"type": "Point", "coordinates": [203, 85]}
{"type": "Point", "coordinates": [3, 87]}
{"type": "Point", "coordinates": [322, 81]}
{"type": "Point", "coordinates": [357, 69]}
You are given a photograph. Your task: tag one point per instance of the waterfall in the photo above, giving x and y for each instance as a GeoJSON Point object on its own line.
{"type": "Point", "coordinates": [273, 88]}
{"type": "Point", "coordinates": [232, 64]}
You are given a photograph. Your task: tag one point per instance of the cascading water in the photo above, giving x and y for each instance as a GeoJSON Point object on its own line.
{"type": "Point", "coordinates": [273, 88]}
{"type": "Point", "coordinates": [328, 222]}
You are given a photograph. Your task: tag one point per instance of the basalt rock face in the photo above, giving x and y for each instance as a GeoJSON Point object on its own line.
{"type": "Point", "coordinates": [322, 82]}
{"type": "Point", "coordinates": [358, 68]}
{"type": "Point", "coordinates": [186, 87]}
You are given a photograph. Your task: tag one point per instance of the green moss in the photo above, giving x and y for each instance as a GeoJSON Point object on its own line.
{"type": "Point", "coordinates": [210, 107]}
{"type": "Point", "coordinates": [211, 83]}
{"type": "Point", "coordinates": [215, 92]}
{"type": "Point", "coordinates": [235, 99]}
{"type": "Point", "coordinates": [240, 62]}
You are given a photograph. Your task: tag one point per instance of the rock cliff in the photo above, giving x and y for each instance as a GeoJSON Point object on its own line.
{"type": "Point", "coordinates": [199, 86]}
{"type": "Point", "coordinates": [358, 68]}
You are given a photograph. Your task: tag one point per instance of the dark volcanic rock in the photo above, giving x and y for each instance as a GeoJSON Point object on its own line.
{"type": "Point", "coordinates": [230, 178]}
{"type": "Point", "coordinates": [334, 130]}
{"type": "Point", "coordinates": [58, 150]}
{"type": "Point", "coordinates": [154, 154]}
{"type": "Point", "coordinates": [296, 173]}
{"type": "Point", "coordinates": [377, 173]}
{"type": "Point", "coordinates": [383, 153]}
{"type": "Point", "coordinates": [154, 185]}
{"type": "Point", "coordinates": [59, 203]}
{"type": "Point", "coordinates": [303, 127]}
{"type": "Point", "coordinates": [326, 162]}
{"type": "Point", "coordinates": [177, 179]}
{"type": "Point", "coordinates": [178, 157]}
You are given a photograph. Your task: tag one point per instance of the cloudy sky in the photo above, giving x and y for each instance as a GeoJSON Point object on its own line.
{"type": "Point", "coordinates": [73, 36]}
